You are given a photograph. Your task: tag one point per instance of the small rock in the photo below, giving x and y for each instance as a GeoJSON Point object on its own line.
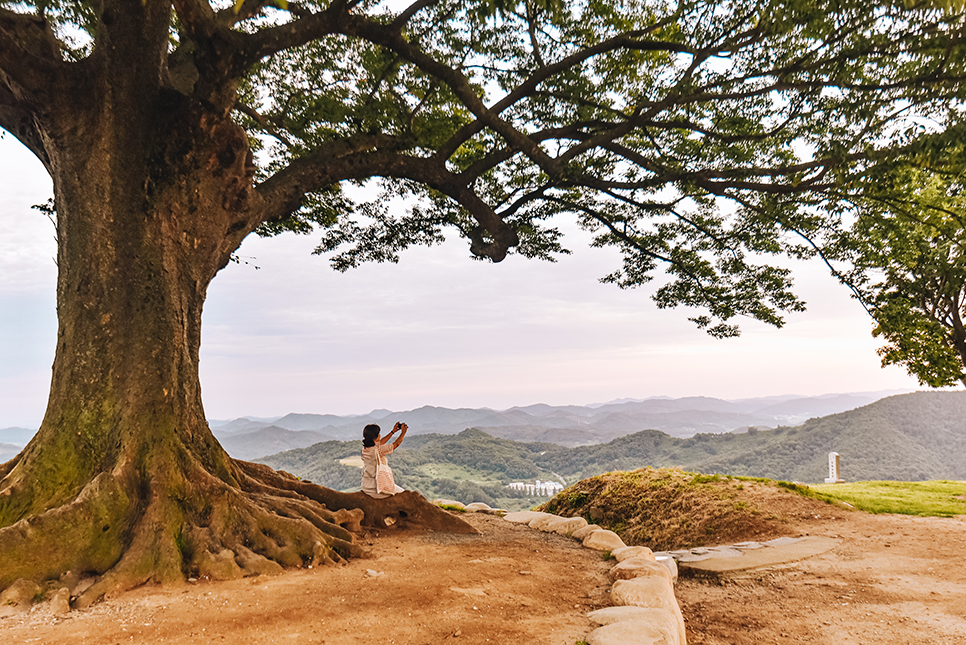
{"type": "Point", "coordinates": [60, 602]}
{"type": "Point", "coordinates": [21, 595]}
{"type": "Point", "coordinates": [69, 579]}
{"type": "Point", "coordinates": [603, 540]}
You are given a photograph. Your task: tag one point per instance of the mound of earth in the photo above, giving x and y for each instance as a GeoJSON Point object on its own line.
{"type": "Point", "coordinates": [667, 509]}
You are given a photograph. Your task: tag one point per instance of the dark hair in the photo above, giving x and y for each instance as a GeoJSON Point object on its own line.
{"type": "Point", "coordinates": [369, 434]}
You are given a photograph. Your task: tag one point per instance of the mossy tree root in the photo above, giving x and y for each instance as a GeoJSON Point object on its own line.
{"type": "Point", "coordinates": [129, 529]}
{"type": "Point", "coordinates": [407, 510]}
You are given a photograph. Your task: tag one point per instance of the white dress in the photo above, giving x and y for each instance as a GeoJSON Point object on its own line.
{"type": "Point", "coordinates": [369, 461]}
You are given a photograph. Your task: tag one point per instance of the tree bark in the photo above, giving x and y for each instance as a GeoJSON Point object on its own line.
{"type": "Point", "coordinates": [124, 480]}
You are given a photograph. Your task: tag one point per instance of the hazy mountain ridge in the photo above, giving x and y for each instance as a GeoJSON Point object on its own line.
{"type": "Point", "coordinates": [568, 425]}
{"type": "Point", "coordinates": [908, 437]}
{"type": "Point", "coordinates": [264, 441]}
{"type": "Point", "coordinates": [572, 425]}
{"type": "Point", "coordinates": [8, 451]}
{"type": "Point", "coordinates": [16, 436]}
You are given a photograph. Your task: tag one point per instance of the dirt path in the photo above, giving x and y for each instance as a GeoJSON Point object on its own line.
{"type": "Point", "coordinates": [894, 580]}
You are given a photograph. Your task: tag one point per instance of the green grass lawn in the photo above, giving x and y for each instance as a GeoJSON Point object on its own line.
{"type": "Point", "coordinates": [931, 498]}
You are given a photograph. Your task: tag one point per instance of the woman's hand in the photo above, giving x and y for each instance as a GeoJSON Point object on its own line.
{"type": "Point", "coordinates": [402, 427]}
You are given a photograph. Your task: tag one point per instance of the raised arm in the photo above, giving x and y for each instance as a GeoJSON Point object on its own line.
{"type": "Point", "coordinates": [402, 428]}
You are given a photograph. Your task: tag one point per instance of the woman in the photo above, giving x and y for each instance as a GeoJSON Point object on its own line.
{"type": "Point", "coordinates": [375, 449]}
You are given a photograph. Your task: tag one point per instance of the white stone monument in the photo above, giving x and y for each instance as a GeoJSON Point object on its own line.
{"type": "Point", "coordinates": [833, 469]}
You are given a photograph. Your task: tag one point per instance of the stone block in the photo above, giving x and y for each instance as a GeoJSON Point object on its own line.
{"type": "Point", "coordinates": [609, 615]}
{"type": "Point", "coordinates": [451, 503]}
{"type": "Point", "coordinates": [603, 540]}
{"type": "Point", "coordinates": [668, 562]}
{"type": "Point", "coordinates": [477, 507]}
{"type": "Point", "coordinates": [633, 632]}
{"type": "Point", "coordinates": [629, 552]}
{"type": "Point", "coordinates": [639, 567]}
{"type": "Point", "coordinates": [580, 534]}
{"type": "Point", "coordinates": [655, 592]}
{"type": "Point", "coordinates": [568, 525]}
{"type": "Point", "coordinates": [524, 517]}
{"type": "Point", "coordinates": [540, 523]}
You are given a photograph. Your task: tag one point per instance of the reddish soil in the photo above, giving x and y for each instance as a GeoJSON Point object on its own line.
{"type": "Point", "coordinates": [511, 584]}
{"type": "Point", "coordinates": [893, 580]}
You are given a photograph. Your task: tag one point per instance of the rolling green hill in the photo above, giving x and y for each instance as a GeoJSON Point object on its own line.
{"type": "Point", "coordinates": [911, 437]}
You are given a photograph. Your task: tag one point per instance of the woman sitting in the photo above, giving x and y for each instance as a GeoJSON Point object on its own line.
{"type": "Point", "coordinates": [375, 449]}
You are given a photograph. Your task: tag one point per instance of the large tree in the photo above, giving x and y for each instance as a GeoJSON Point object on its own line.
{"type": "Point", "coordinates": [904, 256]}
{"type": "Point", "coordinates": [686, 133]}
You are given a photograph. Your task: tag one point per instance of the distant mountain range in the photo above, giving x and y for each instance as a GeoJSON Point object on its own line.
{"type": "Point", "coordinates": [569, 425]}
{"type": "Point", "coordinates": [910, 437]}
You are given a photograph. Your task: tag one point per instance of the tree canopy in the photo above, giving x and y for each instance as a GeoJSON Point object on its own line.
{"type": "Point", "coordinates": [906, 262]}
{"type": "Point", "coordinates": [708, 139]}
{"type": "Point", "coordinates": [683, 133]}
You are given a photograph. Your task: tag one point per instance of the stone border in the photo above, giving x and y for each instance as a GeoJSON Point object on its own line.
{"type": "Point", "coordinates": [646, 611]}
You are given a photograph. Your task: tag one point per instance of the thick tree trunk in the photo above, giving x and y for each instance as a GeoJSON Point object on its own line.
{"type": "Point", "coordinates": [124, 480]}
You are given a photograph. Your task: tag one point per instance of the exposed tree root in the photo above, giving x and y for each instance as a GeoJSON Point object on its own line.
{"type": "Point", "coordinates": [171, 519]}
{"type": "Point", "coordinates": [405, 510]}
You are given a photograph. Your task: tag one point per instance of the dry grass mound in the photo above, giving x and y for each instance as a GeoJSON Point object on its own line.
{"type": "Point", "coordinates": [667, 509]}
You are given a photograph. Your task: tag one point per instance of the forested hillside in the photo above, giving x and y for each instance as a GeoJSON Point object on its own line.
{"type": "Point", "coordinates": [470, 466]}
{"type": "Point", "coordinates": [908, 437]}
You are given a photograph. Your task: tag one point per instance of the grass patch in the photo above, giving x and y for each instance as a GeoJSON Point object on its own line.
{"type": "Point", "coordinates": [456, 472]}
{"type": "Point", "coordinates": [931, 498]}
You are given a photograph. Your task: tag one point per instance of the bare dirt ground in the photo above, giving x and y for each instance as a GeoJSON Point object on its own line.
{"type": "Point", "coordinates": [511, 584]}
{"type": "Point", "coordinates": [892, 580]}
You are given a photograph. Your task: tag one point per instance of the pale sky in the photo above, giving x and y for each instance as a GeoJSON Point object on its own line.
{"type": "Point", "coordinates": [436, 329]}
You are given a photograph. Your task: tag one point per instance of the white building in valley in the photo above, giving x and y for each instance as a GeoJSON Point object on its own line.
{"type": "Point", "coordinates": [538, 488]}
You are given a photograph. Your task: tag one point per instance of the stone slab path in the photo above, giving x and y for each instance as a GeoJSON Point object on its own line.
{"type": "Point", "coordinates": [747, 556]}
